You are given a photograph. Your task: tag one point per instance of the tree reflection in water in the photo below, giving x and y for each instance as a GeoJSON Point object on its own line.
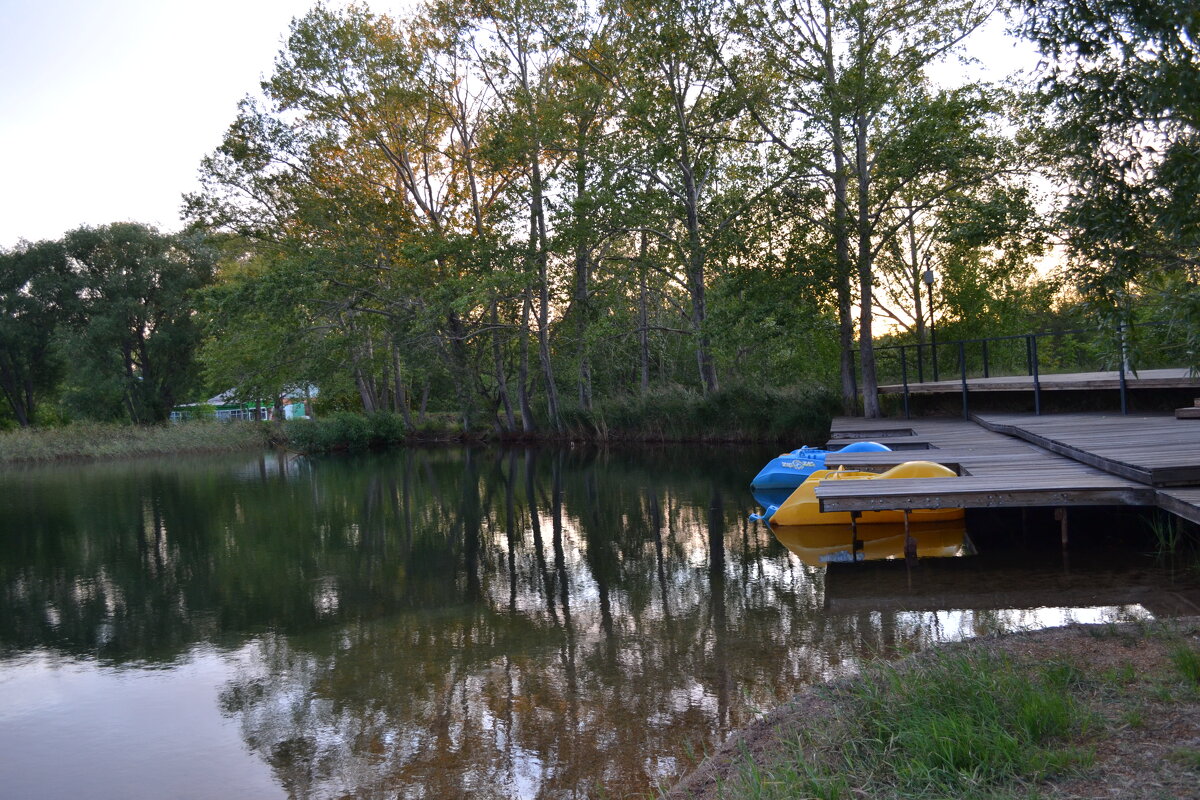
{"type": "Point", "coordinates": [446, 623]}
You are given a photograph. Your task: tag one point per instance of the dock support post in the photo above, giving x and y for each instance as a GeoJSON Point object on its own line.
{"type": "Point", "coordinates": [855, 543]}
{"type": "Point", "coordinates": [910, 544]}
{"type": "Point", "coordinates": [1060, 514]}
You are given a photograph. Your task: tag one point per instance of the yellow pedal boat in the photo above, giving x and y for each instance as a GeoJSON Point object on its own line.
{"type": "Point", "coordinates": [802, 508]}
{"type": "Point", "coordinates": [818, 545]}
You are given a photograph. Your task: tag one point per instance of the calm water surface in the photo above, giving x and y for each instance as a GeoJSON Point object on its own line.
{"type": "Point", "coordinates": [441, 623]}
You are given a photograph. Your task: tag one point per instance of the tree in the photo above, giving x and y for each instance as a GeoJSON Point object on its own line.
{"type": "Point", "coordinates": [688, 143]}
{"type": "Point", "coordinates": [1120, 92]}
{"type": "Point", "coordinates": [37, 294]}
{"type": "Point", "coordinates": [131, 353]}
{"type": "Point", "coordinates": [858, 113]}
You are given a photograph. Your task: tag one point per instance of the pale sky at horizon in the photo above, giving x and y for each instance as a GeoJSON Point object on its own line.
{"type": "Point", "coordinates": [108, 106]}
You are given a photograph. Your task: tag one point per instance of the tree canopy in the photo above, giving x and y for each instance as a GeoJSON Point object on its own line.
{"type": "Point", "coordinates": [513, 212]}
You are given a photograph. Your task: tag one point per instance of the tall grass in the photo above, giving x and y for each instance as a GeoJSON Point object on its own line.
{"type": "Point", "coordinates": [94, 440]}
{"type": "Point", "coordinates": [953, 726]}
{"type": "Point", "coordinates": [1187, 663]}
{"type": "Point", "coordinates": [1167, 533]}
{"type": "Point", "coordinates": [738, 413]}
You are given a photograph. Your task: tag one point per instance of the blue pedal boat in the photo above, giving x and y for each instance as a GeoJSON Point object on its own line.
{"type": "Point", "coordinates": [780, 477]}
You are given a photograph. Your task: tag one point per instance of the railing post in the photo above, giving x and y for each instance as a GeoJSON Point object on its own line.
{"type": "Point", "coordinates": [985, 359]}
{"type": "Point", "coordinates": [920, 362]}
{"type": "Point", "coordinates": [1124, 362]}
{"type": "Point", "coordinates": [904, 377]}
{"type": "Point", "coordinates": [1037, 387]}
{"type": "Point", "coordinates": [933, 349]}
{"type": "Point", "coordinates": [962, 366]}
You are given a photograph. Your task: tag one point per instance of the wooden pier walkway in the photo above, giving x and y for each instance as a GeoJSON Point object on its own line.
{"type": "Point", "coordinates": [1022, 460]}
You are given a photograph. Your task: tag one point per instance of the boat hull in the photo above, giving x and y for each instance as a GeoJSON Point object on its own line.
{"type": "Point", "coordinates": [819, 545]}
{"type": "Point", "coordinates": [782, 474]}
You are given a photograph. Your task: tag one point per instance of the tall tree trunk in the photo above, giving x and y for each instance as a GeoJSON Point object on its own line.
{"type": "Point", "coordinates": [695, 270]}
{"type": "Point", "coordinates": [583, 265]}
{"type": "Point", "coordinates": [866, 348]}
{"type": "Point", "coordinates": [400, 392]}
{"type": "Point", "coordinates": [510, 423]}
{"type": "Point", "coordinates": [841, 228]}
{"type": "Point", "coordinates": [916, 276]}
{"type": "Point", "coordinates": [18, 391]}
{"type": "Point", "coordinates": [527, 423]}
{"type": "Point", "coordinates": [365, 391]}
{"type": "Point", "coordinates": [540, 242]}
{"type": "Point", "coordinates": [458, 352]}
{"type": "Point", "coordinates": [643, 317]}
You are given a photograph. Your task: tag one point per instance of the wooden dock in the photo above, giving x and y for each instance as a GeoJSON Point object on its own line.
{"type": "Point", "coordinates": [1023, 460]}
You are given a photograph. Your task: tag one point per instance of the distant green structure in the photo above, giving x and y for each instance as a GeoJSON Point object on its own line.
{"type": "Point", "coordinates": [225, 407]}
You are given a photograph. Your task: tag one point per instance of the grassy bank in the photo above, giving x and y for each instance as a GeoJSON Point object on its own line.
{"type": "Point", "coordinates": [733, 415]}
{"type": "Point", "coordinates": [742, 414]}
{"type": "Point", "coordinates": [1086, 711]}
{"type": "Point", "coordinates": [94, 440]}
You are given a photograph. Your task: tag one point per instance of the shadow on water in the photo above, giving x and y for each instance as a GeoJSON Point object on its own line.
{"type": "Point", "coordinates": [457, 622]}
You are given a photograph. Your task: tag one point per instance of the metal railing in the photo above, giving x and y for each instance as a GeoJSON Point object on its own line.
{"type": "Point", "coordinates": [1145, 345]}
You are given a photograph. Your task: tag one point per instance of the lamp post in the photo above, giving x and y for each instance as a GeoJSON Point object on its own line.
{"type": "Point", "coordinates": [928, 278]}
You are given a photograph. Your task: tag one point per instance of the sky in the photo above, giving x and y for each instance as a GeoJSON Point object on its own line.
{"type": "Point", "coordinates": [108, 106]}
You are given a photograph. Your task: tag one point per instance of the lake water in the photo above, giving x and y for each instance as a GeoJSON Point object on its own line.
{"type": "Point", "coordinates": [452, 622]}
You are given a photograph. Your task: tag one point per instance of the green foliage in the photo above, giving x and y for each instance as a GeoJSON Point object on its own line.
{"type": "Point", "coordinates": [104, 318]}
{"type": "Point", "coordinates": [38, 292]}
{"type": "Point", "coordinates": [345, 430]}
{"type": "Point", "coordinates": [1119, 114]}
{"type": "Point", "coordinates": [480, 207]}
{"type": "Point", "coordinates": [131, 354]}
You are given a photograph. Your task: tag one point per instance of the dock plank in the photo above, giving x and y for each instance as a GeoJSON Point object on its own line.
{"type": "Point", "coordinates": [1156, 449]}
{"type": "Point", "coordinates": [981, 492]}
{"type": "Point", "coordinates": [998, 471]}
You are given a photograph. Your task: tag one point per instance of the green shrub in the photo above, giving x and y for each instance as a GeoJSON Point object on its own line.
{"type": "Point", "coordinates": [348, 431]}
{"type": "Point", "coordinates": [386, 428]}
{"type": "Point", "coordinates": [345, 430]}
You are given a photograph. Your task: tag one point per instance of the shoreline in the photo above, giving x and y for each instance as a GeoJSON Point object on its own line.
{"type": "Point", "coordinates": [91, 442]}
{"type": "Point", "coordinates": [1144, 739]}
